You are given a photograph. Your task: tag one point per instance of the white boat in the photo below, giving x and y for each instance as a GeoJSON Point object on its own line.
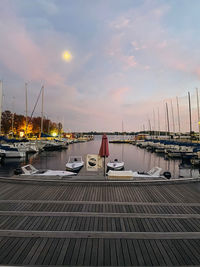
{"type": "Point", "coordinates": [30, 170]}
{"type": "Point", "coordinates": [75, 163]}
{"type": "Point", "coordinates": [155, 172]}
{"type": "Point", "coordinates": [11, 152]}
{"type": "Point", "coordinates": [115, 165]}
{"type": "Point", "coordinates": [120, 175]}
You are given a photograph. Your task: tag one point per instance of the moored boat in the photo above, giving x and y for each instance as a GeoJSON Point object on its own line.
{"type": "Point", "coordinates": [75, 163]}
{"type": "Point", "coordinates": [115, 165]}
{"type": "Point", "coordinates": [155, 172]}
{"type": "Point", "coordinates": [30, 170]}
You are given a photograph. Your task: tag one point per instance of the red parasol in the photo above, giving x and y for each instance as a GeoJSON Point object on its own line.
{"type": "Point", "coordinates": [104, 151]}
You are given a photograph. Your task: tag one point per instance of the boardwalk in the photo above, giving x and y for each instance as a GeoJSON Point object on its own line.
{"type": "Point", "coordinates": [99, 223]}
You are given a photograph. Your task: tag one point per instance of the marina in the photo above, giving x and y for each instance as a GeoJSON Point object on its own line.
{"type": "Point", "coordinates": [134, 158]}
{"type": "Point", "coordinates": [95, 220]}
{"type": "Point", "coordinates": [99, 133]}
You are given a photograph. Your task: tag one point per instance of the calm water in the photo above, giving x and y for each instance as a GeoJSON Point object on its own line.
{"type": "Point", "coordinates": [135, 159]}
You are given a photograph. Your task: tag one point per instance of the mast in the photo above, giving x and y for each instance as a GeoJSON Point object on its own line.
{"type": "Point", "coordinates": [173, 116]}
{"type": "Point", "coordinates": [13, 116]}
{"type": "Point", "coordinates": [1, 95]}
{"type": "Point", "coordinates": [158, 123]}
{"type": "Point", "coordinates": [167, 113]}
{"type": "Point", "coordinates": [179, 125]}
{"type": "Point", "coordinates": [149, 126]}
{"type": "Point", "coordinates": [154, 122]}
{"type": "Point", "coordinates": [42, 113]}
{"type": "Point", "coordinates": [123, 139]}
{"type": "Point", "coordinates": [190, 113]}
{"type": "Point", "coordinates": [26, 97]}
{"type": "Point", "coordinates": [198, 110]}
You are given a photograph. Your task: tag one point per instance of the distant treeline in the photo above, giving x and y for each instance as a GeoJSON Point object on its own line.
{"type": "Point", "coordinates": [15, 123]}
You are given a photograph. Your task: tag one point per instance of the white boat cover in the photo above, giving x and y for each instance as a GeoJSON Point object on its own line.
{"type": "Point", "coordinates": [120, 174]}
{"type": "Point", "coordinates": [155, 172]}
{"type": "Point", "coordinates": [31, 170]}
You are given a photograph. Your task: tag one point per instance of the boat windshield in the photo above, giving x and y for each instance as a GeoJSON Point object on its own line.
{"type": "Point", "coordinates": [155, 171]}
{"type": "Point", "coordinates": [75, 159]}
{"type": "Point", "coordinates": [29, 169]}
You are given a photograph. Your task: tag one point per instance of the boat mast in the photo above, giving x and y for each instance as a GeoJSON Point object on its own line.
{"type": "Point", "coordinates": [13, 116]}
{"type": "Point", "coordinates": [190, 113]}
{"type": "Point", "coordinates": [154, 123]}
{"type": "Point", "coordinates": [1, 95]}
{"type": "Point", "coordinates": [179, 124]}
{"type": "Point", "coordinates": [123, 139]}
{"type": "Point", "coordinates": [26, 97]}
{"type": "Point", "coordinates": [143, 128]}
{"type": "Point", "coordinates": [198, 110]}
{"type": "Point", "coordinates": [167, 113]}
{"type": "Point", "coordinates": [173, 116]}
{"type": "Point", "coordinates": [158, 124]}
{"type": "Point", "coordinates": [42, 113]}
{"type": "Point", "coordinates": [149, 126]}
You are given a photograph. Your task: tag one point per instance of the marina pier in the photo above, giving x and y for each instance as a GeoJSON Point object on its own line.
{"type": "Point", "coordinates": [99, 223]}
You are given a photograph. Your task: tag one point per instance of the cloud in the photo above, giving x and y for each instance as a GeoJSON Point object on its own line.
{"type": "Point", "coordinates": [125, 59]}
{"type": "Point", "coordinates": [118, 94]}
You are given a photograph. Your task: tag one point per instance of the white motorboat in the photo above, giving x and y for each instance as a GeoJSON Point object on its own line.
{"type": "Point", "coordinates": [115, 165]}
{"type": "Point", "coordinates": [155, 172]}
{"type": "Point", "coordinates": [30, 170]}
{"type": "Point", "coordinates": [75, 163]}
{"type": "Point", "coordinates": [11, 152]}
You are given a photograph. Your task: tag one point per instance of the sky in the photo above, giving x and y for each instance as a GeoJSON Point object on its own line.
{"type": "Point", "coordinates": [129, 58]}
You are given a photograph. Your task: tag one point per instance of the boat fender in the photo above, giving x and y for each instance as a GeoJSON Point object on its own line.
{"type": "Point", "coordinates": [167, 175]}
{"type": "Point", "coordinates": [18, 171]}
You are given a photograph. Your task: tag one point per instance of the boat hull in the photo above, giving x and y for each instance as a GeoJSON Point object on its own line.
{"type": "Point", "coordinates": [74, 167]}
{"type": "Point", "coordinates": [115, 166]}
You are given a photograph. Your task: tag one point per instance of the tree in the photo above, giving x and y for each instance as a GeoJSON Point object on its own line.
{"type": "Point", "coordinates": [6, 121]}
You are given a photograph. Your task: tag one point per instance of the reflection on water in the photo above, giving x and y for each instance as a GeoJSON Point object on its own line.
{"type": "Point", "coordinates": [134, 157]}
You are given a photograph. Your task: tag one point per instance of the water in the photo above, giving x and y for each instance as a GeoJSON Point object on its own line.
{"type": "Point", "coordinates": [135, 159]}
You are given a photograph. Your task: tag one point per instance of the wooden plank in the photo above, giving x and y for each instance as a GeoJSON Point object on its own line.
{"type": "Point", "coordinates": [10, 243]}
{"type": "Point", "coordinates": [38, 251]}
{"type": "Point", "coordinates": [32, 251]}
{"type": "Point", "coordinates": [138, 252]}
{"type": "Point", "coordinates": [69, 252]}
{"type": "Point", "coordinates": [81, 255]}
{"type": "Point", "coordinates": [94, 253]}
{"type": "Point", "coordinates": [12, 250]}
{"type": "Point", "coordinates": [92, 234]}
{"type": "Point", "coordinates": [120, 203]}
{"type": "Point", "coordinates": [87, 257]}
{"type": "Point", "coordinates": [63, 251]}
{"type": "Point", "coordinates": [75, 252]}
{"type": "Point", "coordinates": [49, 255]}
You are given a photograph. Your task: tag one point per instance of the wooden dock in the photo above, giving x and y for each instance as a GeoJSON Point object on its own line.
{"type": "Point", "coordinates": [83, 223]}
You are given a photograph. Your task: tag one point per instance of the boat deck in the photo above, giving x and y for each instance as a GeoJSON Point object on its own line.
{"type": "Point", "coordinates": [103, 223]}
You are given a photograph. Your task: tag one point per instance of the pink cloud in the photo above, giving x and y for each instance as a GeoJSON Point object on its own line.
{"type": "Point", "coordinates": [118, 94]}
{"type": "Point", "coordinates": [22, 55]}
{"type": "Point", "coordinates": [130, 61]}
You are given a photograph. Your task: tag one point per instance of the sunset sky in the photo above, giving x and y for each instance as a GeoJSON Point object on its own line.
{"type": "Point", "coordinates": [125, 58]}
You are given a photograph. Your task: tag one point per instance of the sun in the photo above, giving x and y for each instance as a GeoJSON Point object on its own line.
{"type": "Point", "coordinates": [66, 55]}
